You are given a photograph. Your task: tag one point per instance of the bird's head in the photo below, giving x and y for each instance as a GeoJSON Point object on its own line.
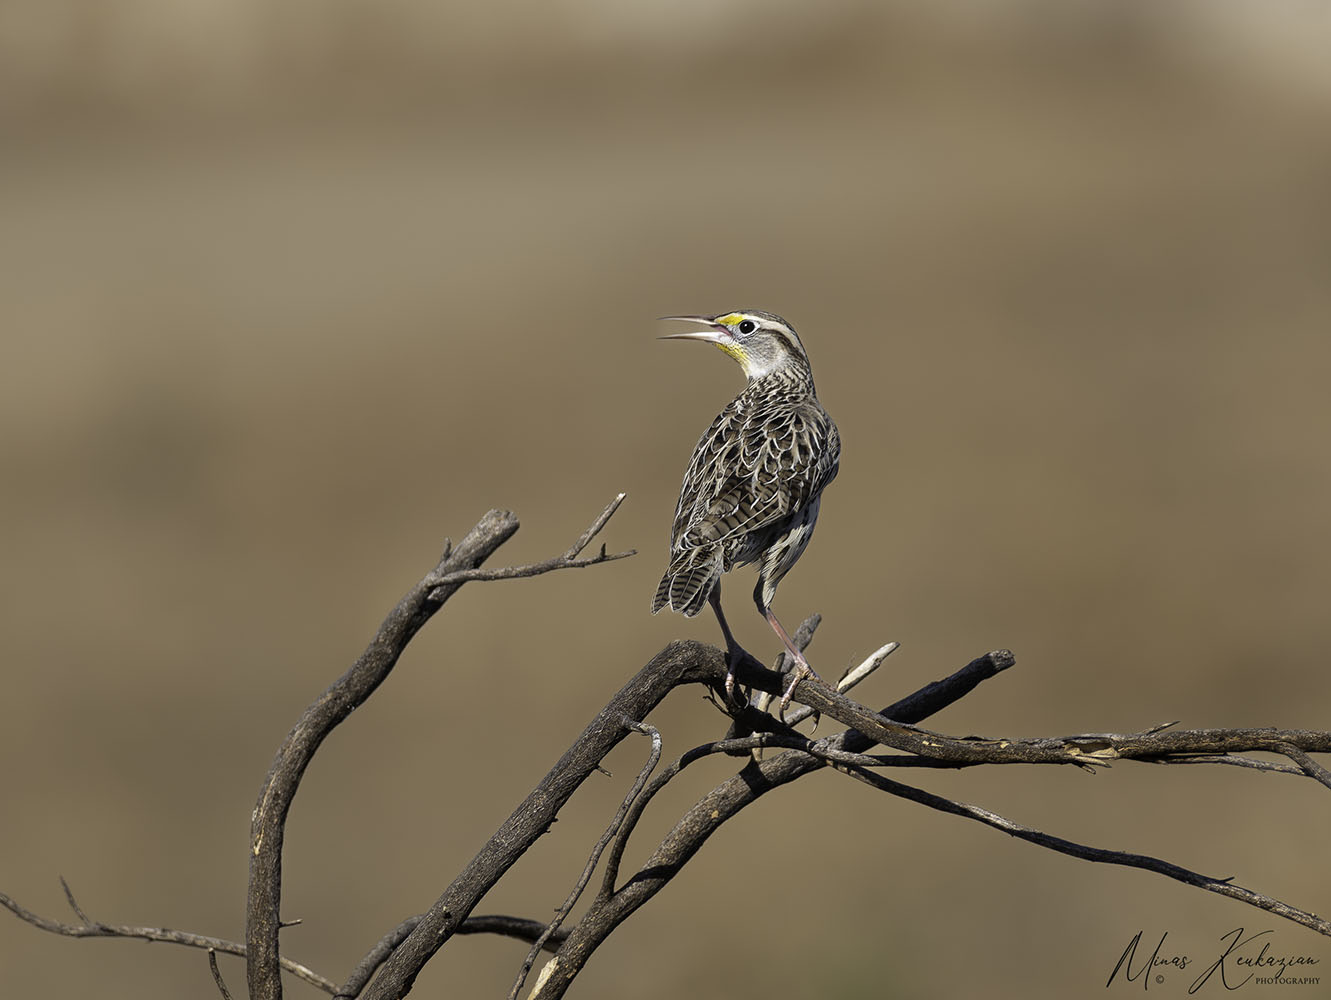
{"type": "Point", "coordinates": [761, 342]}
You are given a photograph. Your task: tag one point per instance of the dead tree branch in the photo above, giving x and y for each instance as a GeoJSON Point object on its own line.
{"type": "Point", "coordinates": [569, 560]}
{"type": "Point", "coordinates": [613, 905]}
{"type": "Point", "coordinates": [263, 919]}
{"type": "Point", "coordinates": [1305, 763]}
{"type": "Point", "coordinates": [389, 969]}
{"type": "Point", "coordinates": [1223, 886]}
{"type": "Point", "coordinates": [506, 926]}
{"type": "Point", "coordinates": [669, 668]}
{"type": "Point", "coordinates": [95, 928]}
{"type": "Point", "coordinates": [217, 974]}
{"type": "Point", "coordinates": [514, 927]}
{"type": "Point", "coordinates": [1084, 750]}
{"type": "Point", "coordinates": [650, 765]}
{"type": "Point", "coordinates": [693, 829]}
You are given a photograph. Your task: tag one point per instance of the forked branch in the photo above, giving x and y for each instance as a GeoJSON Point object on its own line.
{"type": "Point", "coordinates": [95, 928]}
{"type": "Point", "coordinates": [515, 927]}
{"type": "Point", "coordinates": [568, 560]}
{"type": "Point", "coordinates": [389, 969]}
{"type": "Point", "coordinates": [457, 566]}
{"type": "Point", "coordinates": [619, 899]}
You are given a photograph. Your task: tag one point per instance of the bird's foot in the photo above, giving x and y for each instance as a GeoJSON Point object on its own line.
{"type": "Point", "coordinates": [801, 671]}
{"type": "Point", "coordinates": [734, 655]}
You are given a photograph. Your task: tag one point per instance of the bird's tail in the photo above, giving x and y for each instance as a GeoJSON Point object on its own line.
{"type": "Point", "coordinates": [688, 582]}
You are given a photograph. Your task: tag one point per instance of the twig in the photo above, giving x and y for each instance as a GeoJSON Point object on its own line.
{"type": "Point", "coordinates": [217, 974]}
{"type": "Point", "coordinates": [95, 928]}
{"type": "Point", "coordinates": [1161, 727]}
{"type": "Point", "coordinates": [1306, 764]}
{"type": "Point", "coordinates": [848, 680]}
{"type": "Point", "coordinates": [1236, 760]}
{"type": "Point", "coordinates": [1223, 886]}
{"type": "Point", "coordinates": [737, 744]}
{"type": "Point", "coordinates": [73, 903]}
{"type": "Point", "coordinates": [515, 927]}
{"type": "Point", "coordinates": [569, 560]}
{"type": "Point", "coordinates": [650, 765]}
{"type": "Point", "coordinates": [595, 527]}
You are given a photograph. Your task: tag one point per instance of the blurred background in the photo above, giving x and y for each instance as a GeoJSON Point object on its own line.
{"type": "Point", "coordinates": [292, 292]}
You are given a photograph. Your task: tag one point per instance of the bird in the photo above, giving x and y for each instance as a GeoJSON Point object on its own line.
{"type": "Point", "coordinates": [754, 484]}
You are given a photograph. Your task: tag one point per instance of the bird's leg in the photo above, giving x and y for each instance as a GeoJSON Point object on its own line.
{"type": "Point", "coordinates": [802, 668]}
{"type": "Point", "coordinates": [734, 651]}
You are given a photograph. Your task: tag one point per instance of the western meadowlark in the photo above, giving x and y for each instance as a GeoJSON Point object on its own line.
{"type": "Point", "coordinates": [752, 489]}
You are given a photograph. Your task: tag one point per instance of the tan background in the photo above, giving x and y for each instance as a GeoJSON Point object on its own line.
{"type": "Point", "coordinates": [292, 292]}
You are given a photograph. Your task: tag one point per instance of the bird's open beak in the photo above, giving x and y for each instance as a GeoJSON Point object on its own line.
{"type": "Point", "coordinates": [717, 334]}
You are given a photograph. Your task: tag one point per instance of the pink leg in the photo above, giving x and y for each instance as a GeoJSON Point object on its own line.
{"type": "Point", "coordinates": [802, 668]}
{"type": "Point", "coordinates": [734, 652]}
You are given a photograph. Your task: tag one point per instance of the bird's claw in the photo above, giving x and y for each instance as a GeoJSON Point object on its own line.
{"type": "Point", "coordinates": [801, 671]}
{"type": "Point", "coordinates": [733, 656]}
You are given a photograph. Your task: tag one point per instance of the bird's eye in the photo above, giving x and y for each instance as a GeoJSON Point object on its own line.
{"type": "Point", "coordinates": [747, 326]}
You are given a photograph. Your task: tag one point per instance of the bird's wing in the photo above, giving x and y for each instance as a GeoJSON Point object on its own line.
{"type": "Point", "coordinates": [748, 474]}
{"type": "Point", "coordinates": [700, 479]}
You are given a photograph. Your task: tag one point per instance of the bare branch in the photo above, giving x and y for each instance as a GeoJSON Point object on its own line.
{"type": "Point", "coordinates": [732, 745]}
{"type": "Point", "coordinates": [569, 560]}
{"type": "Point", "coordinates": [514, 927]}
{"type": "Point", "coordinates": [95, 928]}
{"type": "Point", "coordinates": [1223, 886]}
{"type": "Point", "coordinates": [595, 527]}
{"type": "Point", "coordinates": [856, 764]}
{"type": "Point", "coordinates": [650, 765]}
{"type": "Point", "coordinates": [803, 636]}
{"type": "Point", "coordinates": [263, 917]}
{"type": "Point", "coordinates": [609, 910]}
{"type": "Point", "coordinates": [679, 662]}
{"type": "Point", "coordinates": [73, 903]}
{"type": "Point", "coordinates": [612, 905]}
{"type": "Point", "coordinates": [217, 974]}
{"type": "Point", "coordinates": [1230, 758]}
{"type": "Point", "coordinates": [1085, 750]}
{"type": "Point", "coordinates": [1306, 764]}
{"type": "Point", "coordinates": [1161, 727]}
{"type": "Point", "coordinates": [849, 679]}
{"type": "Point", "coordinates": [389, 970]}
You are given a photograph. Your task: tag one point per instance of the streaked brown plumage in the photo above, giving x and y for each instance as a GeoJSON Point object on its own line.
{"type": "Point", "coordinates": [753, 486]}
